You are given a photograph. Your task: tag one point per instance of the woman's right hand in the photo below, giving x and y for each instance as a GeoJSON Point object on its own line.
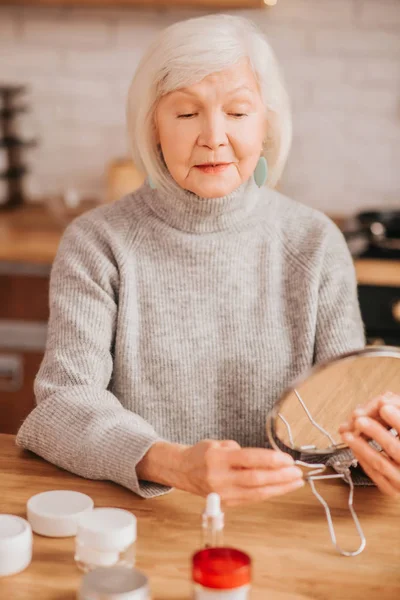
{"type": "Point", "coordinates": [238, 475]}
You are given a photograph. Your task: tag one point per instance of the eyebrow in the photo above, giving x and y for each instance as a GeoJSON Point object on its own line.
{"type": "Point", "coordinates": [230, 93]}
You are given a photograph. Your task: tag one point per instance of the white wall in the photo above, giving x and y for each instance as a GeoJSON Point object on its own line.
{"type": "Point", "coordinates": [341, 59]}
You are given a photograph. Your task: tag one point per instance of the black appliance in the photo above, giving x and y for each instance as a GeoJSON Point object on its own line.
{"type": "Point", "coordinates": [376, 235]}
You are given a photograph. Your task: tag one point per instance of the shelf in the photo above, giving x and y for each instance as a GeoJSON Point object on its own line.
{"type": "Point", "coordinates": [211, 4]}
{"type": "Point", "coordinates": [13, 142]}
{"type": "Point", "coordinates": [31, 234]}
{"type": "Point", "coordinates": [14, 172]}
{"type": "Point", "coordinates": [8, 113]}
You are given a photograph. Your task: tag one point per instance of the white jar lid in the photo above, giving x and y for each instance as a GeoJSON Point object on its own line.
{"type": "Point", "coordinates": [56, 513]}
{"type": "Point", "coordinates": [15, 544]}
{"type": "Point", "coordinates": [114, 583]}
{"type": "Point", "coordinates": [107, 529]}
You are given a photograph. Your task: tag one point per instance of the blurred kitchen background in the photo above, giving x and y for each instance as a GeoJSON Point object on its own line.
{"type": "Point", "coordinates": [340, 59]}
{"type": "Point", "coordinates": [65, 68]}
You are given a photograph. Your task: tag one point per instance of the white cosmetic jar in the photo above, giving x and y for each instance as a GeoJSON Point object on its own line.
{"type": "Point", "coordinates": [56, 513]}
{"type": "Point", "coordinates": [114, 583]}
{"type": "Point", "coordinates": [106, 537]}
{"type": "Point", "coordinates": [15, 544]}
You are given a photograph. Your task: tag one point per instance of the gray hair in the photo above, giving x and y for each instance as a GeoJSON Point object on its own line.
{"type": "Point", "coordinates": [182, 55]}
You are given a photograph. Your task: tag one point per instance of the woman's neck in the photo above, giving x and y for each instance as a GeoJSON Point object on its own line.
{"type": "Point", "coordinates": [187, 211]}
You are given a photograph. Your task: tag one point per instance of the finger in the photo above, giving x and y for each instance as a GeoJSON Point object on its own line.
{"type": "Point", "coordinates": [259, 458]}
{"type": "Point", "coordinates": [353, 427]}
{"type": "Point", "coordinates": [381, 482]}
{"type": "Point", "coordinates": [230, 445]}
{"type": "Point", "coordinates": [375, 431]}
{"type": "Point", "coordinates": [347, 426]}
{"type": "Point", "coordinates": [373, 459]}
{"type": "Point", "coordinates": [246, 496]}
{"type": "Point", "coordinates": [253, 478]}
{"type": "Point", "coordinates": [391, 414]}
{"type": "Point", "coordinates": [371, 409]}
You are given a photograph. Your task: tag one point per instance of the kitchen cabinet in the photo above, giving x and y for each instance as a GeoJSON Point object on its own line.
{"type": "Point", "coordinates": [29, 237]}
{"type": "Point", "coordinates": [18, 369]}
{"type": "Point", "coordinates": [380, 307]}
{"type": "Point", "coordinates": [379, 296]}
{"type": "Point", "coordinates": [23, 328]}
{"type": "Point", "coordinates": [212, 4]}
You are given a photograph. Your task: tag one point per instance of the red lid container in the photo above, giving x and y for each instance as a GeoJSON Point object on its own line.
{"type": "Point", "coordinates": [221, 568]}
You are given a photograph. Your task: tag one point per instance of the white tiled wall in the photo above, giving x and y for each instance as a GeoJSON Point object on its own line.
{"type": "Point", "coordinates": [341, 59]}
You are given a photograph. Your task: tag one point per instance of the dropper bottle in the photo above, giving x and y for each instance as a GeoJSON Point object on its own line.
{"type": "Point", "coordinates": [213, 522]}
{"type": "Point", "coordinates": [218, 572]}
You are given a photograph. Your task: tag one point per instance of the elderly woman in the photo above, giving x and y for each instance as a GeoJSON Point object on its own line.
{"type": "Point", "coordinates": [181, 312]}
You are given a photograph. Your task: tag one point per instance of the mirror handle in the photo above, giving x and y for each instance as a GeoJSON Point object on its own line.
{"type": "Point", "coordinates": [315, 475]}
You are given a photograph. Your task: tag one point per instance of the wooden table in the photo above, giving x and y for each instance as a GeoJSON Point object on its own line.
{"type": "Point", "coordinates": [287, 538]}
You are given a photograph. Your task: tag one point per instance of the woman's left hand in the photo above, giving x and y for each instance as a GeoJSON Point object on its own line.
{"type": "Point", "coordinates": [373, 422]}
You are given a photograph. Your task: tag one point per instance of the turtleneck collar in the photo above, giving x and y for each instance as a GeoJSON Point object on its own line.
{"type": "Point", "coordinates": [189, 212]}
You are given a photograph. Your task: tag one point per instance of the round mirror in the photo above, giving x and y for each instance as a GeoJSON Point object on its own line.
{"type": "Point", "coordinates": [307, 417]}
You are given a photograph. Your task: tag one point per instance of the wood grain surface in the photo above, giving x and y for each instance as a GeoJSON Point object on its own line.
{"type": "Point", "coordinates": [331, 395]}
{"type": "Point", "coordinates": [31, 233]}
{"type": "Point", "coordinates": [287, 538]}
{"type": "Point", "coordinates": [147, 3]}
{"type": "Point", "coordinates": [378, 272]}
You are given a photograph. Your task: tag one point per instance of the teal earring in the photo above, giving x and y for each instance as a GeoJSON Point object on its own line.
{"type": "Point", "coordinates": [261, 171]}
{"type": "Point", "coordinates": [151, 183]}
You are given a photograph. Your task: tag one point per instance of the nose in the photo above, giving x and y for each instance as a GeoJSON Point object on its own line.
{"type": "Point", "coordinates": [213, 132]}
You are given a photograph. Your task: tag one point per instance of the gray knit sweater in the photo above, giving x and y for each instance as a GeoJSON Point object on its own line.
{"type": "Point", "coordinates": [180, 318]}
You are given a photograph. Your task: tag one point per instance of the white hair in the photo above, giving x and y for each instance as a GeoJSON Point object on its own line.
{"type": "Point", "coordinates": [182, 55]}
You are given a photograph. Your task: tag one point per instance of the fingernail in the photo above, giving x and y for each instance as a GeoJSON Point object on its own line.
{"type": "Point", "coordinates": [389, 409]}
{"type": "Point", "coordinates": [299, 484]}
{"type": "Point", "coordinates": [362, 421]}
{"type": "Point", "coordinates": [344, 425]}
{"type": "Point", "coordinates": [359, 412]}
{"type": "Point", "coordinates": [297, 472]}
{"type": "Point", "coordinates": [348, 437]}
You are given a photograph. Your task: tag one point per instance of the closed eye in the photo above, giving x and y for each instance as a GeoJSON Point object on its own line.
{"type": "Point", "coordinates": [189, 115]}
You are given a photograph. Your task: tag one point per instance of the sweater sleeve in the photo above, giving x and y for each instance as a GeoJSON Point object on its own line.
{"type": "Point", "coordinates": [78, 424]}
{"type": "Point", "coordinates": [339, 327]}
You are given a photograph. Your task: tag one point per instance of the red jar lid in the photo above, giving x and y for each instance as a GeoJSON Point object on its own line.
{"type": "Point", "coordinates": [221, 568]}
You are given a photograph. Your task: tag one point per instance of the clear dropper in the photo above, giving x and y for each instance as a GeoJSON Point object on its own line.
{"type": "Point", "coordinates": [213, 522]}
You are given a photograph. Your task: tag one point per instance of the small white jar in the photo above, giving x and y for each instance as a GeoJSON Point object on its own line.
{"type": "Point", "coordinates": [56, 513]}
{"type": "Point", "coordinates": [106, 537]}
{"type": "Point", "coordinates": [15, 544]}
{"type": "Point", "coordinates": [114, 583]}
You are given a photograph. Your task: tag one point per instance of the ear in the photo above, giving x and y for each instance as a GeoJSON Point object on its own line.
{"type": "Point", "coordinates": [269, 128]}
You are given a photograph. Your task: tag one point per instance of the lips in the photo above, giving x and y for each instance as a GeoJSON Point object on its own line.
{"type": "Point", "coordinates": [212, 168]}
{"type": "Point", "coordinates": [217, 164]}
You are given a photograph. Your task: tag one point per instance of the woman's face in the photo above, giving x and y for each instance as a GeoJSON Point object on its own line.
{"type": "Point", "coordinates": [218, 121]}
